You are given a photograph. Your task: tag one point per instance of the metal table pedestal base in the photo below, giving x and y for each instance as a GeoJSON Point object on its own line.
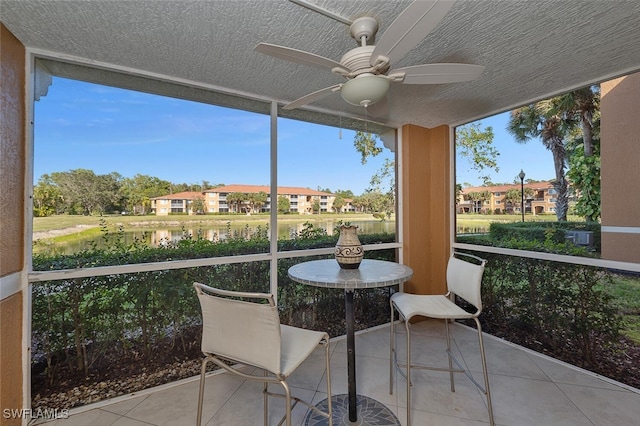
{"type": "Point", "coordinates": [370, 412]}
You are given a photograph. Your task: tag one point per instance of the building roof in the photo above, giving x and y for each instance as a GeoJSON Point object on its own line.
{"type": "Point", "coordinates": [187, 195]}
{"type": "Point", "coordinates": [293, 190]}
{"type": "Point", "coordinates": [505, 188]}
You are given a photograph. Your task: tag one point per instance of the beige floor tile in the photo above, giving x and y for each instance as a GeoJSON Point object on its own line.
{"type": "Point", "coordinates": [605, 407]}
{"type": "Point", "coordinates": [246, 407]}
{"type": "Point", "coordinates": [522, 401]}
{"type": "Point", "coordinates": [125, 405]}
{"type": "Point", "coordinates": [126, 421]}
{"type": "Point", "coordinates": [560, 372]}
{"type": "Point", "coordinates": [178, 405]}
{"type": "Point", "coordinates": [95, 417]}
{"type": "Point", "coordinates": [431, 392]}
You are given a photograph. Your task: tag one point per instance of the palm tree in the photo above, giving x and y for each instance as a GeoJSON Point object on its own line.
{"type": "Point", "coordinates": [581, 105]}
{"type": "Point", "coordinates": [543, 120]}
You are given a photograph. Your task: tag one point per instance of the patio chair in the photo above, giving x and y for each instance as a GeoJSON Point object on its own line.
{"type": "Point", "coordinates": [241, 328]}
{"type": "Point", "coordinates": [463, 280]}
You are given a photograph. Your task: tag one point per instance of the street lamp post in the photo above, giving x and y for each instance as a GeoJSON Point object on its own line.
{"type": "Point", "coordinates": [521, 176]}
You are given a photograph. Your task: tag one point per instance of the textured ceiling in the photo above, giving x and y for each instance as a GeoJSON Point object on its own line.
{"type": "Point", "coordinates": [531, 49]}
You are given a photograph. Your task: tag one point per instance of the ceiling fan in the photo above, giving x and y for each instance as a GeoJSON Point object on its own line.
{"type": "Point", "coordinates": [367, 67]}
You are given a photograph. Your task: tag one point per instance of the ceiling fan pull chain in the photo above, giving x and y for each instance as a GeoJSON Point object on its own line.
{"type": "Point", "coordinates": [366, 120]}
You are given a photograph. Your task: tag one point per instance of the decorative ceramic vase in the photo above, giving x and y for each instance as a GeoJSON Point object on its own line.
{"type": "Point", "coordinates": [349, 251]}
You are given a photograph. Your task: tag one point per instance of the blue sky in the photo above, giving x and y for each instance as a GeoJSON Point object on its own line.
{"type": "Point", "coordinates": [531, 157]}
{"type": "Point", "coordinates": [105, 129]}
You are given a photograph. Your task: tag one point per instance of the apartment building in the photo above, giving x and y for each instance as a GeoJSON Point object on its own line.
{"type": "Point", "coordinates": [539, 198]}
{"type": "Point", "coordinates": [219, 200]}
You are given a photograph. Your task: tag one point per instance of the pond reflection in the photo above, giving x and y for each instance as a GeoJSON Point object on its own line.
{"type": "Point", "coordinates": [213, 232]}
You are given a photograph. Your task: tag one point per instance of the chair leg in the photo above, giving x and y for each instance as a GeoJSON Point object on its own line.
{"type": "Point", "coordinates": [265, 397]}
{"type": "Point", "coordinates": [203, 370]}
{"type": "Point", "coordinates": [487, 391]}
{"type": "Point", "coordinates": [406, 322]}
{"type": "Point", "coordinates": [287, 397]}
{"type": "Point", "coordinates": [392, 350]}
{"type": "Point", "coordinates": [328, 367]}
{"type": "Point", "coordinates": [449, 355]}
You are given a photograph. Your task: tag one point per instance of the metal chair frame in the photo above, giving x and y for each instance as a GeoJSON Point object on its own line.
{"type": "Point", "coordinates": [447, 317]}
{"type": "Point", "coordinates": [269, 375]}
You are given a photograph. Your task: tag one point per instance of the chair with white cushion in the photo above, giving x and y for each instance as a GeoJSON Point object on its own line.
{"type": "Point", "coordinates": [245, 328]}
{"type": "Point", "coordinates": [464, 281]}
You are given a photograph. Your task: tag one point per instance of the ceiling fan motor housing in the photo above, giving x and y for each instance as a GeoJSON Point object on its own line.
{"type": "Point", "coordinates": [364, 27]}
{"type": "Point", "coordinates": [357, 59]}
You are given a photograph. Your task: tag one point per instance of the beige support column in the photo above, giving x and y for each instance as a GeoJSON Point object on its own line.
{"type": "Point", "coordinates": [620, 168]}
{"type": "Point", "coordinates": [12, 227]}
{"type": "Point", "coordinates": [426, 189]}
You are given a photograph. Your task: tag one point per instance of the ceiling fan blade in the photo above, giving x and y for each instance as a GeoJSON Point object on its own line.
{"type": "Point", "coordinates": [438, 73]}
{"type": "Point", "coordinates": [410, 28]}
{"type": "Point", "coordinates": [312, 97]}
{"type": "Point", "coordinates": [325, 12]}
{"type": "Point", "coordinates": [298, 56]}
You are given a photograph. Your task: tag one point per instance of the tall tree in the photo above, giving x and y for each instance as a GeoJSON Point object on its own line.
{"type": "Point", "coordinates": [584, 173]}
{"type": "Point", "coordinates": [140, 189]}
{"type": "Point", "coordinates": [479, 198]}
{"type": "Point", "coordinates": [477, 147]}
{"type": "Point", "coordinates": [367, 145]}
{"type": "Point", "coordinates": [543, 120]}
{"type": "Point", "coordinates": [47, 197]}
{"type": "Point", "coordinates": [196, 205]}
{"type": "Point", "coordinates": [257, 200]}
{"type": "Point", "coordinates": [581, 106]}
{"type": "Point", "coordinates": [338, 203]}
{"type": "Point", "coordinates": [284, 205]}
{"type": "Point", "coordinates": [238, 199]}
{"type": "Point", "coordinates": [87, 192]}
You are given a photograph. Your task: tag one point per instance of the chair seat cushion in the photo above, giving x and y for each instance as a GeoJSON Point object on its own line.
{"type": "Point", "coordinates": [296, 345]}
{"type": "Point", "coordinates": [432, 306]}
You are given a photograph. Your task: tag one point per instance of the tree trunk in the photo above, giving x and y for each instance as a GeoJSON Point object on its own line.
{"type": "Point", "coordinates": [587, 137]}
{"type": "Point", "coordinates": [560, 184]}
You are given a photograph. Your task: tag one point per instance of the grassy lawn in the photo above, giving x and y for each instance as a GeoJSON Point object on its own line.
{"type": "Point", "coordinates": [483, 221]}
{"type": "Point", "coordinates": [626, 291]}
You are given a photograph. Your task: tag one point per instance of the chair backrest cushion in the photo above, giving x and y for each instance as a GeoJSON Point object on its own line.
{"type": "Point", "coordinates": [244, 331]}
{"type": "Point", "coordinates": [465, 279]}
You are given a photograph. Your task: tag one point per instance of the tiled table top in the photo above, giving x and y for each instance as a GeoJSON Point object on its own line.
{"type": "Point", "coordinates": [371, 273]}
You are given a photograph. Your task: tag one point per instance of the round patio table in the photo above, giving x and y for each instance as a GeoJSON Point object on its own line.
{"type": "Point", "coordinates": [371, 274]}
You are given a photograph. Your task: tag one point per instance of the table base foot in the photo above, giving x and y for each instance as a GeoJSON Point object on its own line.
{"type": "Point", "coordinates": [370, 412]}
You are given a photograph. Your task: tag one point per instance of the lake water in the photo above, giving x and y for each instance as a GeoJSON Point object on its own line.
{"type": "Point", "coordinates": [158, 236]}
{"type": "Point", "coordinates": [286, 229]}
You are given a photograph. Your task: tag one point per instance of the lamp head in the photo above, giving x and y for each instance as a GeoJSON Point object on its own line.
{"type": "Point", "coordinates": [521, 175]}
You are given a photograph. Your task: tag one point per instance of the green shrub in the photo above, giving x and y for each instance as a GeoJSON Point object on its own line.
{"type": "Point", "coordinates": [542, 231]}
{"type": "Point", "coordinates": [550, 306]}
{"type": "Point", "coordinates": [86, 323]}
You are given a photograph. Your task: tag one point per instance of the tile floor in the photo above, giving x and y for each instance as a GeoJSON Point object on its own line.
{"type": "Point", "coordinates": [527, 389]}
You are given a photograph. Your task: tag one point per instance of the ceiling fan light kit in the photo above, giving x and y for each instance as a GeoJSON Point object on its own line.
{"type": "Point", "coordinates": [365, 90]}
{"type": "Point", "coordinates": [367, 68]}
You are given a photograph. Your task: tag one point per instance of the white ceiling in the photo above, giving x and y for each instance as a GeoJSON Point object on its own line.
{"type": "Point", "coordinates": [531, 49]}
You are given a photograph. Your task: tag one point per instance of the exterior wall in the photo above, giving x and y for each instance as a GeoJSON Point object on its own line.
{"type": "Point", "coordinates": [12, 226]}
{"type": "Point", "coordinates": [542, 200]}
{"type": "Point", "coordinates": [620, 168]}
{"type": "Point", "coordinates": [214, 201]}
{"type": "Point", "coordinates": [426, 194]}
